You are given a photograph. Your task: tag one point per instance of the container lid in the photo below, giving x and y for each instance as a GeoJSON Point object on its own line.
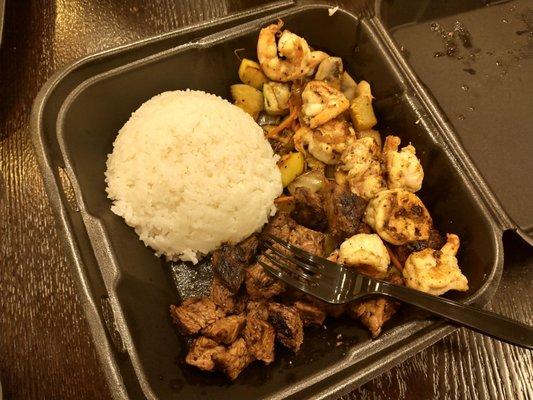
{"type": "Point", "coordinates": [477, 61]}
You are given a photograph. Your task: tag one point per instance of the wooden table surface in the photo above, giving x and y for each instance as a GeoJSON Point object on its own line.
{"type": "Point", "coordinates": [46, 350]}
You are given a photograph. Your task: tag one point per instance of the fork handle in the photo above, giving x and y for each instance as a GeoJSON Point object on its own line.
{"type": "Point", "coordinates": [485, 322]}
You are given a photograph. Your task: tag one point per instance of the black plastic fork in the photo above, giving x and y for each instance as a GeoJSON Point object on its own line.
{"type": "Point", "coordinates": [337, 284]}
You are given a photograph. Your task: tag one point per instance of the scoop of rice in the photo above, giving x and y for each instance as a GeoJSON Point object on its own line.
{"type": "Point", "coordinates": [190, 171]}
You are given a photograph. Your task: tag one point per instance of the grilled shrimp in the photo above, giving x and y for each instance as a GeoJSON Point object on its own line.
{"type": "Point", "coordinates": [403, 167]}
{"type": "Point", "coordinates": [368, 185]}
{"type": "Point", "coordinates": [327, 142]}
{"type": "Point", "coordinates": [371, 133]}
{"type": "Point", "coordinates": [315, 59]}
{"type": "Point", "coordinates": [360, 156]}
{"type": "Point", "coordinates": [361, 159]}
{"type": "Point", "coordinates": [321, 103]}
{"type": "Point", "coordinates": [398, 216]}
{"type": "Point", "coordinates": [289, 59]}
{"type": "Point", "coordinates": [367, 253]}
{"type": "Point", "coordinates": [435, 271]}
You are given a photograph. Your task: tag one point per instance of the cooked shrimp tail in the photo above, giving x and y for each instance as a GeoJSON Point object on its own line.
{"type": "Point", "coordinates": [288, 59]}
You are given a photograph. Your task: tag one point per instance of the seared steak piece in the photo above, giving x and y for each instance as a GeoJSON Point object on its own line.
{"type": "Point", "coordinates": [225, 330]}
{"type": "Point", "coordinates": [259, 336]}
{"type": "Point", "coordinates": [234, 359]}
{"type": "Point", "coordinates": [241, 299]}
{"type": "Point", "coordinates": [230, 303]}
{"type": "Point", "coordinates": [373, 313]}
{"type": "Point", "coordinates": [435, 241]}
{"type": "Point", "coordinates": [333, 310]}
{"type": "Point", "coordinates": [227, 265]}
{"type": "Point", "coordinates": [309, 313]}
{"type": "Point", "coordinates": [344, 210]}
{"type": "Point", "coordinates": [307, 239]}
{"type": "Point", "coordinates": [308, 209]}
{"type": "Point", "coordinates": [249, 248]}
{"type": "Point", "coordinates": [280, 226]}
{"type": "Point", "coordinates": [257, 309]}
{"type": "Point", "coordinates": [288, 325]}
{"type": "Point", "coordinates": [261, 285]}
{"type": "Point", "coordinates": [229, 262]}
{"type": "Point", "coordinates": [195, 314]}
{"type": "Point", "coordinates": [285, 228]}
{"type": "Point", "coordinates": [201, 353]}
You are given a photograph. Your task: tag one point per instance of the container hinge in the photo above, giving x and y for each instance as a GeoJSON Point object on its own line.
{"type": "Point", "coordinates": [68, 190]}
{"type": "Point", "coordinates": [109, 321]}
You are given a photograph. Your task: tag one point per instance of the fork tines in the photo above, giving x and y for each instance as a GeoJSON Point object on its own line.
{"type": "Point", "coordinates": [289, 263]}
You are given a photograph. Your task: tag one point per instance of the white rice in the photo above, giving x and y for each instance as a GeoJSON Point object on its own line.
{"type": "Point", "coordinates": [190, 171]}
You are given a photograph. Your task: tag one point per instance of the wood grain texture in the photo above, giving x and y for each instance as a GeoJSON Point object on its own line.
{"type": "Point", "coordinates": [45, 346]}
